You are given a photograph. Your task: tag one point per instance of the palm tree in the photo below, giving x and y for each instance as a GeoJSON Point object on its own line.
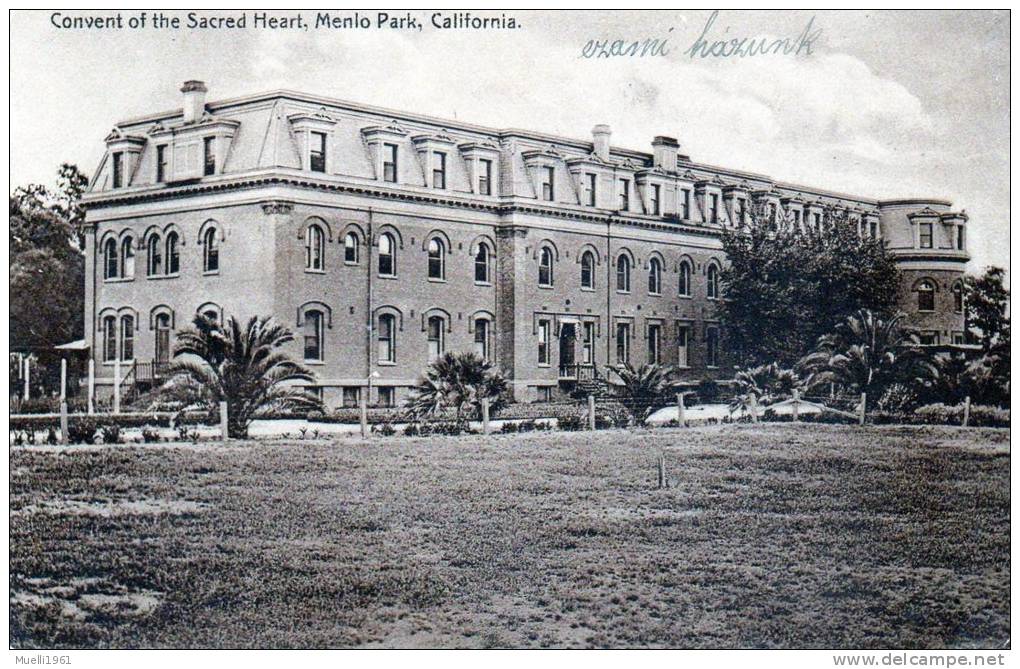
{"type": "Point", "coordinates": [458, 381]}
{"type": "Point", "coordinates": [244, 366]}
{"type": "Point", "coordinates": [766, 384]}
{"type": "Point", "coordinates": [866, 354]}
{"type": "Point", "coordinates": [647, 387]}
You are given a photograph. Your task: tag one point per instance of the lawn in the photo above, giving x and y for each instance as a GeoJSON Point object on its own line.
{"type": "Point", "coordinates": [768, 536]}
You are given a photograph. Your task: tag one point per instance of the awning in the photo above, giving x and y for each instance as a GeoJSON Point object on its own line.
{"type": "Point", "coordinates": [79, 345]}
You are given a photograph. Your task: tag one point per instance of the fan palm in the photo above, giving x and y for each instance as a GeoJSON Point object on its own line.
{"type": "Point", "coordinates": [644, 389]}
{"type": "Point", "coordinates": [243, 365]}
{"type": "Point", "coordinates": [866, 354]}
{"type": "Point", "coordinates": [765, 384]}
{"type": "Point", "coordinates": [457, 381]}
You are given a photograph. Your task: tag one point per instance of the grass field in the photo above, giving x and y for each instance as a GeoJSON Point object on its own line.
{"type": "Point", "coordinates": [770, 536]}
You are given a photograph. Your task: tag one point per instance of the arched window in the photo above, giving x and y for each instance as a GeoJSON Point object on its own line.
{"type": "Point", "coordinates": [315, 248]}
{"type": "Point", "coordinates": [545, 267]}
{"type": "Point", "coordinates": [482, 338]}
{"type": "Point", "coordinates": [482, 263]}
{"type": "Point", "coordinates": [926, 296]}
{"type": "Point", "coordinates": [713, 282]}
{"type": "Point", "coordinates": [162, 338]}
{"type": "Point", "coordinates": [387, 338]}
{"type": "Point", "coordinates": [127, 258]}
{"type": "Point", "coordinates": [109, 338]}
{"type": "Point", "coordinates": [958, 297]}
{"type": "Point", "coordinates": [623, 274]}
{"type": "Point", "coordinates": [654, 277]}
{"type": "Point", "coordinates": [437, 261]}
{"type": "Point", "coordinates": [173, 254]}
{"type": "Point", "coordinates": [127, 338]}
{"type": "Point", "coordinates": [210, 251]}
{"type": "Point", "coordinates": [387, 262]}
{"type": "Point", "coordinates": [684, 282]}
{"type": "Point", "coordinates": [313, 335]}
{"type": "Point", "coordinates": [435, 337]}
{"type": "Point", "coordinates": [587, 270]}
{"type": "Point", "coordinates": [155, 256]}
{"type": "Point", "coordinates": [110, 263]}
{"type": "Point", "coordinates": [351, 248]}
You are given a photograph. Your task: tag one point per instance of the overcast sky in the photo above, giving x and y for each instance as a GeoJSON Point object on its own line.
{"type": "Point", "coordinates": [887, 105]}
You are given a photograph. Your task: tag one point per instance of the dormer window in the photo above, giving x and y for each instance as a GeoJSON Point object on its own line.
{"type": "Point", "coordinates": [925, 235]}
{"type": "Point", "coordinates": [209, 156]}
{"type": "Point", "coordinates": [438, 170]}
{"type": "Point", "coordinates": [653, 199]}
{"type": "Point", "coordinates": [685, 207]}
{"type": "Point", "coordinates": [548, 191]}
{"type": "Point", "coordinates": [118, 169]}
{"type": "Point", "coordinates": [713, 207]}
{"type": "Point", "coordinates": [485, 177]}
{"type": "Point", "coordinates": [624, 194]}
{"type": "Point", "coordinates": [390, 163]}
{"type": "Point", "coordinates": [589, 189]}
{"type": "Point", "coordinates": [317, 152]}
{"type": "Point", "coordinates": [740, 210]}
{"type": "Point", "coordinates": [961, 239]}
{"type": "Point", "coordinates": [161, 163]}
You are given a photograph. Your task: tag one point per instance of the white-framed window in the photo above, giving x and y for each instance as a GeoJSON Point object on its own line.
{"type": "Point", "coordinates": [544, 332]}
{"type": "Point", "coordinates": [482, 263]}
{"type": "Point", "coordinates": [654, 343]}
{"type": "Point", "coordinates": [958, 297]}
{"type": "Point", "coordinates": [127, 258]}
{"type": "Point", "coordinates": [127, 338]}
{"type": "Point", "coordinates": [482, 338]}
{"type": "Point", "coordinates": [111, 262]}
{"type": "Point", "coordinates": [387, 339]}
{"type": "Point", "coordinates": [387, 257]}
{"type": "Point", "coordinates": [712, 346]}
{"type": "Point", "coordinates": [315, 248]}
{"type": "Point", "coordinates": [109, 338]}
{"type": "Point", "coordinates": [622, 343]}
{"type": "Point", "coordinates": [173, 253]}
{"type": "Point", "coordinates": [437, 259]}
{"type": "Point", "coordinates": [926, 296]}
{"type": "Point", "coordinates": [654, 277]}
{"type": "Point", "coordinates": [210, 252]}
{"type": "Point", "coordinates": [624, 194]}
{"type": "Point", "coordinates": [352, 248]}
{"type": "Point", "coordinates": [623, 273]}
{"type": "Point", "coordinates": [390, 152]}
{"type": "Point", "coordinates": [313, 335]}
{"type": "Point", "coordinates": [685, 204]}
{"type": "Point", "coordinates": [161, 163]}
{"type": "Point", "coordinates": [162, 344]}
{"type": "Point", "coordinates": [154, 257]}
{"type": "Point", "coordinates": [590, 181]}
{"type": "Point", "coordinates": [209, 156]}
{"type": "Point", "coordinates": [683, 341]}
{"type": "Point", "coordinates": [118, 169]}
{"type": "Point", "coordinates": [317, 152]}
{"type": "Point", "coordinates": [438, 169]}
{"type": "Point", "coordinates": [924, 233]}
{"type": "Point", "coordinates": [545, 267]}
{"type": "Point", "coordinates": [713, 281]}
{"type": "Point", "coordinates": [387, 397]}
{"type": "Point", "coordinates": [436, 336]}
{"type": "Point", "coordinates": [588, 343]}
{"type": "Point", "coordinates": [485, 177]}
{"type": "Point", "coordinates": [684, 279]}
{"type": "Point", "coordinates": [351, 396]}
{"type": "Point", "coordinates": [653, 199]}
{"type": "Point", "coordinates": [713, 208]}
{"type": "Point", "coordinates": [548, 184]}
{"type": "Point", "coordinates": [588, 270]}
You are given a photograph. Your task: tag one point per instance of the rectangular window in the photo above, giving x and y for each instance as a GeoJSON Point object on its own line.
{"type": "Point", "coordinates": [588, 344]}
{"type": "Point", "coordinates": [543, 342]}
{"type": "Point", "coordinates": [653, 204]}
{"type": "Point", "coordinates": [387, 396]}
{"type": "Point", "coordinates": [622, 343]}
{"type": "Point", "coordinates": [485, 177]}
{"type": "Point", "coordinates": [118, 169]}
{"type": "Point", "coordinates": [438, 170]}
{"type": "Point", "coordinates": [590, 181]}
{"type": "Point", "coordinates": [740, 210]}
{"type": "Point", "coordinates": [874, 230]}
{"type": "Point", "coordinates": [686, 208]}
{"type": "Point", "coordinates": [548, 189]}
{"type": "Point", "coordinates": [482, 339]}
{"type": "Point", "coordinates": [386, 349]}
{"type": "Point", "coordinates": [712, 346]}
{"type": "Point", "coordinates": [317, 152]}
{"type": "Point", "coordinates": [683, 338]}
{"type": "Point", "coordinates": [925, 235]}
{"type": "Point", "coordinates": [654, 338]}
{"type": "Point", "coordinates": [209, 149]}
{"type": "Point", "coordinates": [929, 338]}
{"type": "Point", "coordinates": [796, 219]}
{"type": "Point", "coordinates": [544, 393]}
{"type": "Point", "coordinates": [127, 338]}
{"type": "Point", "coordinates": [313, 336]}
{"type": "Point", "coordinates": [352, 396]}
{"type": "Point", "coordinates": [713, 207]}
{"type": "Point", "coordinates": [161, 163]}
{"type": "Point", "coordinates": [959, 339]}
{"type": "Point", "coordinates": [390, 163]}
{"type": "Point", "coordinates": [818, 222]}
{"type": "Point", "coordinates": [960, 238]}
{"type": "Point", "coordinates": [624, 194]}
{"type": "Point", "coordinates": [109, 339]}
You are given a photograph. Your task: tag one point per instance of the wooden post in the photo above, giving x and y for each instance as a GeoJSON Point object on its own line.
{"type": "Point", "coordinates": [662, 471]}
{"type": "Point", "coordinates": [591, 412]}
{"type": "Point", "coordinates": [796, 406]}
{"type": "Point", "coordinates": [485, 415]}
{"type": "Point", "coordinates": [966, 410]}
{"type": "Point", "coordinates": [63, 379]}
{"type": "Point", "coordinates": [63, 422]}
{"type": "Point", "coordinates": [28, 373]}
{"type": "Point", "coordinates": [681, 414]}
{"type": "Point", "coordinates": [754, 408]}
{"type": "Point", "coordinates": [92, 386]}
{"type": "Point", "coordinates": [224, 422]}
{"type": "Point", "coordinates": [864, 405]}
{"type": "Point", "coordinates": [363, 411]}
{"type": "Point", "coordinates": [116, 386]}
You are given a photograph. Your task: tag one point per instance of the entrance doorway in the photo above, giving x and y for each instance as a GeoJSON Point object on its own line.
{"type": "Point", "coordinates": [568, 344]}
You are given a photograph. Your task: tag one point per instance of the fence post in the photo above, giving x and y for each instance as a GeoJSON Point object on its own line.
{"type": "Point", "coordinates": [116, 386]}
{"type": "Point", "coordinates": [485, 415]}
{"type": "Point", "coordinates": [363, 413]}
{"type": "Point", "coordinates": [63, 379]}
{"type": "Point", "coordinates": [681, 414]}
{"type": "Point", "coordinates": [754, 408]}
{"type": "Point", "coordinates": [92, 386]}
{"type": "Point", "coordinates": [28, 373]}
{"type": "Point", "coordinates": [224, 422]}
{"type": "Point", "coordinates": [966, 410]}
{"type": "Point", "coordinates": [63, 422]}
{"type": "Point", "coordinates": [591, 412]}
{"type": "Point", "coordinates": [796, 405]}
{"type": "Point", "coordinates": [662, 471]}
{"type": "Point", "coordinates": [864, 404]}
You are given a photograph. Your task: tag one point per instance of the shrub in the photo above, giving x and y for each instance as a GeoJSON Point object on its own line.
{"type": "Point", "coordinates": [526, 426]}
{"type": "Point", "coordinates": [111, 433]}
{"type": "Point", "coordinates": [708, 391]}
{"type": "Point", "coordinates": [980, 416]}
{"type": "Point", "coordinates": [82, 430]}
{"type": "Point", "coordinates": [386, 430]}
{"type": "Point", "coordinates": [572, 423]}
{"type": "Point", "coordinates": [509, 428]}
{"type": "Point", "coordinates": [51, 437]}
{"type": "Point", "coordinates": [149, 435]}
{"type": "Point", "coordinates": [412, 430]}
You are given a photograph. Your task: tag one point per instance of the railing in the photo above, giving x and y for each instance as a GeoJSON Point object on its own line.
{"type": "Point", "coordinates": [579, 372]}
{"type": "Point", "coordinates": [151, 372]}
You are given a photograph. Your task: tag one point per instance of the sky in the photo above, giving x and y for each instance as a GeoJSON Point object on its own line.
{"type": "Point", "coordinates": [885, 105]}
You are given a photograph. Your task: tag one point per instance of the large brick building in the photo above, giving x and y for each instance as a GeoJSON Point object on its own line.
{"type": "Point", "coordinates": [385, 237]}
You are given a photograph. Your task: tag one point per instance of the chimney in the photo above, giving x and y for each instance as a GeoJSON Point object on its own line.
{"type": "Point", "coordinates": [600, 138]}
{"type": "Point", "coordinates": [664, 151]}
{"type": "Point", "coordinates": [194, 100]}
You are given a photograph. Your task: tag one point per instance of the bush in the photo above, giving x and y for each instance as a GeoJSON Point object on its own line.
{"type": "Point", "coordinates": [572, 423]}
{"type": "Point", "coordinates": [509, 428]}
{"type": "Point", "coordinates": [386, 429]}
{"type": "Point", "coordinates": [82, 430]}
{"type": "Point", "coordinates": [150, 436]}
{"type": "Point", "coordinates": [111, 433]}
{"type": "Point", "coordinates": [412, 430]}
{"type": "Point", "coordinates": [980, 416]}
{"type": "Point", "coordinates": [708, 391]}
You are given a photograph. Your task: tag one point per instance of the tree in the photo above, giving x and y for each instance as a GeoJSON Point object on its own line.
{"type": "Point", "coordinates": [645, 389]}
{"type": "Point", "coordinates": [766, 384]}
{"type": "Point", "coordinates": [786, 285]}
{"type": "Point", "coordinates": [986, 302]}
{"type": "Point", "coordinates": [867, 354]}
{"type": "Point", "coordinates": [244, 366]}
{"type": "Point", "coordinates": [458, 381]}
